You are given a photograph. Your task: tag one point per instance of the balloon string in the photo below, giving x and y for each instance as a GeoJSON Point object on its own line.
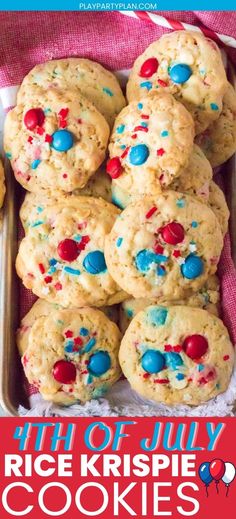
{"type": "Point", "coordinates": [227, 491]}
{"type": "Point", "coordinates": [217, 490]}
{"type": "Point", "coordinates": [207, 491]}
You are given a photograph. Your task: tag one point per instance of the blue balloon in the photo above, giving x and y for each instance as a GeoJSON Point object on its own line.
{"type": "Point", "coordinates": [204, 473]}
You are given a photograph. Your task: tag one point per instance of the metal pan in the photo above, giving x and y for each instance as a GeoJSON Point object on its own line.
{"type": "Point", "coordinates": [11, 381]}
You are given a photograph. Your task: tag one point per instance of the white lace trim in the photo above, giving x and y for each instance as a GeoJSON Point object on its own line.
{"type": "Point", "coordinates": [123, 401]}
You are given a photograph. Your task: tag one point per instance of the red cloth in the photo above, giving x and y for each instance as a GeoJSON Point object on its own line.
{"type": "Point", "coordinates": [28, 38]}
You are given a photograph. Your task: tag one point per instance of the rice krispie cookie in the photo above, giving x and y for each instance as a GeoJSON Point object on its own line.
{"type": "Point", "coordinates": [163, 246]}
{"type": "Point", "coordinates": [208, 298]}
{"type": "Point", "coordinates": [98, 186]}
{"type": "Point", "coordinates": [177, 355]}
{"type": "Point", "coordinates": [61, 259]}
{"type": "Point", "coordinates": [55, 141]}
{"type": "Point", "coordinates": [187, 65]}
{"type": "Point", "coordinates": [219, 140]}
{"type": "Point", "coordinates": [194, 179]}
{"type": "Point", "coordinates": [219, 206]}
{"type": "Point", "coordinates": [150, 143]}
{"type": "Point", "coordinates": [89, 78]}
{"type": "Point", "coordinates": [42, 308]}
{"type": "Point", "coordinates": [72, 355]}
{"type": "Point", "coordinates": [2, 184]}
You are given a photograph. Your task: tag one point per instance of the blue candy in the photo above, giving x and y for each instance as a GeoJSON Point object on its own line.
{"type": "Point", "coordinates": [119, 242]}
{"type": "Point", "coordinates": [193, 267]}
{"type": "Point", "coordinates": [180, 73]}
{"type": "Point", "coordinates": [84, 332]}
{"type": "Point", "coordinates": [62, 140]}
{"type": "Point", "coordinates": [146, 84]}
{"type": "Point", "coordinates": [90, 344]}
{"type": "Point", "coordinates": [138, 154]}
{"type": "Point", "coordinates": [94, 262]}
{"type": "Point", "coordinates": [153, 361]}
{"type": "Point", "coordinates": [157, 315]}
{"type": "Point", "coordinates": [214, 106]}
{"type": "Point", "coordinates": [35, 163]}
{"type": "Point", "coordinates": [180, 376]}
{"type": "Point", "coordinates": [173, 360]}
{"type": "Point", "coordinates": [99, 363]}
{"type": "Point", "coordinates": [146, 257]}
{"type": "Point", "coordinates": [120, 128]}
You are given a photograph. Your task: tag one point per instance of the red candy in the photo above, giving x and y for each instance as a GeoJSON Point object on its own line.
{"type": "Point", "coordinates": [63, 113]}
{"type": "Point", "coordinates": [33, 118]}
{"type": "Point", "coordinates": [172, 233]}
{"type": "Point", "coordinates": [68, 250]}
{"type": "Point", "coordinates": [141, 129]}
{"type": "Point", "coordinates": [114, 167]}
{"type": "Point", "coordinates": [48, 279]}
{"type": "Point", "coordinates": [195, 346]}
{"type": "Point", "coordinates": [160, 152]}
{"type": "Point", "coordinates": [58, 286]}
{"type": "Point", "coordinates": [78, 341]}
{"type": "Point", "coordinates": [158, 249]}
{"type": "Point", "coordinates": [68, 334]}
{"type": "Point", "coordinates": [48, 138]}
{"type": "Point", "coordinates": [176, 253]}
{"type": "Point", "coordinates": [151, 212]}
{"type": "Point", "coordinates": [41, 268]}
{"type": "Point", "coordinates": [64, 372]}
{"type": "Point", "coordinates": [83, 242]}
{"type": "Point", "coordinates": [149, 67]}
{"type": "Point", "coordinates": [162, 83]}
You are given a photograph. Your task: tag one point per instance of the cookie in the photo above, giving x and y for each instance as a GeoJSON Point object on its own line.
{"type": "Point", "coordinates": [72, 355]}
{"type": "Point", "coordinates": [194, 180]}
{"type": "Point", "coordinates": [187, 65]}
{"type": "Point", "coordinates": [98, 186]}
{"type": "Point", "coordinates": [164, 246]}
{"type": "Point", "coordinates": [2, 184]}
{"type": "Point", "coordinates": [207, 298]}
{"type": "Point", "coordinates": [151, 142]}
{"type": "Point", "coordinates": [219, 206]}
{"type": "Point", "coordinates": [219, 140]}
{"type": "Point", "coordinates": [61, 259]}
{"type": "Point", "coordinates": [177, 355]}
{"type": "Point", "coordinates": [55, 141]}
{"type": "Point", "coordinates": [42, 308]}
{"type": "Point", "coordinates": [90, 79]}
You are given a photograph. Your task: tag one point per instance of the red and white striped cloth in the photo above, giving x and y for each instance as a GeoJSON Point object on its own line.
{"type": "Point", "coordinates": [115, 41]}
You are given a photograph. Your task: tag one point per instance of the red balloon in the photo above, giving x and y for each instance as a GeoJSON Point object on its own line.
{"type": "Point", "coordinates": [217, 469]}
